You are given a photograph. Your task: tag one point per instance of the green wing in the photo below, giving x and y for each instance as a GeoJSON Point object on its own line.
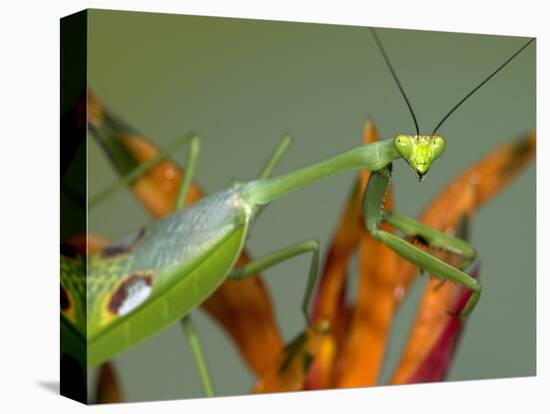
{"type": "Point", "coordinates": [132, 289]}
{"type": "Point", "coordinates": [172, 295]}
{"type": "Point", "coordinates": [151, 279]}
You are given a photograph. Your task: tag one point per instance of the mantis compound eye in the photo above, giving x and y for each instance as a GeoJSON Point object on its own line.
{"type": "Point", "coordinates": [404, 145]}
{"type": "Point", "coordinates": [438, 146]}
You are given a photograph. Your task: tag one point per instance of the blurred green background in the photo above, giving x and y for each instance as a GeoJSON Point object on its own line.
{"type": "Point", "coordinates": [241, 84]}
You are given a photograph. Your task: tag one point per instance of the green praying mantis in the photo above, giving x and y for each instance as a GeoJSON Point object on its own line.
{"type": "Point", "coordinates": [147, 281]}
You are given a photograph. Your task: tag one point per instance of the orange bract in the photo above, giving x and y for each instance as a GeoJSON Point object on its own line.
{"type": "Point", "coordinates": [88, 243]}
{"type": "Point", "coordinates": [108, 390]}
{"type": "Point", "coordinates": [372, 315]}
{"type": "Point", "coordinates": [288, 371]}
{"type": "Point", "coordinates": [329, 302]}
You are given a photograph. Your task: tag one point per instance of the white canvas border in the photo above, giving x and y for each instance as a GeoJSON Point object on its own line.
{"type": "Point", "coordinates": [30, 209]}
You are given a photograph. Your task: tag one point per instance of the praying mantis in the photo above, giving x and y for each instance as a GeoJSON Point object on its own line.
{"type": "Point", "coordinates": [227, 216]}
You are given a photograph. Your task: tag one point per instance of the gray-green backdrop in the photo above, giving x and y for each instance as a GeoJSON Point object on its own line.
{"type": "Point", "coordinates": [242, 83]}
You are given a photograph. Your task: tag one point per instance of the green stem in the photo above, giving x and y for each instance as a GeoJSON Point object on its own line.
{"type": "Point", "coordinates": [370, 157]}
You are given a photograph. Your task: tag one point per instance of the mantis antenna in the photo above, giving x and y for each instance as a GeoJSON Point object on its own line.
{"type": "Point", "coordinates": [481, 84]}
{"type": "Point", "coordinates": [394, 75]}
{"type": "Point", "coordinates": [395, 78]}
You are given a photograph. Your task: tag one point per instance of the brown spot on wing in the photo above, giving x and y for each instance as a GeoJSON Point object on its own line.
{"type": "Point", "coordinates": [123, 246]}
{"type": "Point", "coordinates": [124, 291]}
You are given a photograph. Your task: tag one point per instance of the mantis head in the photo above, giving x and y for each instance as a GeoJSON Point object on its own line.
{"type": "Point", "coordinates": [419, 151]}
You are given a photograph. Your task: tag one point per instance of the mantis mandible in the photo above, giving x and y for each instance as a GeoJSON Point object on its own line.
{"type": "Point", "coordinates": [147, 281]}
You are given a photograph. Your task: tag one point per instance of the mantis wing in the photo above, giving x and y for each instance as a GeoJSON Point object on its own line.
{"type": "Point", "coordinates": [132, 289]}
{"type": "Point", "coordinates": [185, 287]}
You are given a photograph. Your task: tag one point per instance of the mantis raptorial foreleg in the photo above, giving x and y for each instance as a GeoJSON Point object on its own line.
{"type": "Point", "coordinates": [373, 205]}
{"type": "Point", "coordinates": [282, 255]}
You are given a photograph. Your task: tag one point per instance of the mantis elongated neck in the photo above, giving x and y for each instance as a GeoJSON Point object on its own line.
{"type": "Point", "coordinates": [369, 157]}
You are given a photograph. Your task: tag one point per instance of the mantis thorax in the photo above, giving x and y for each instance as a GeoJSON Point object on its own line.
{"type": "Point", "coordinates": [419, 150]}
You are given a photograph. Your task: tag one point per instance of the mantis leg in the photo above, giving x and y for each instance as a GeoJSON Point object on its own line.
{"type": "Point", "coordinates": [192, 156]}
{"type": "Point", "coordinates": [263, 263]}
{"type": "Point", "coordinates": [187, 325]}
{"type": "Point", "coordinates": [142, 169]}
{"type": "Point", "coordinates": [273, 161]}
{"type": "Point", "coordinates": [375, 214]}
{"type": "Point", "coordinates": [196, 348]}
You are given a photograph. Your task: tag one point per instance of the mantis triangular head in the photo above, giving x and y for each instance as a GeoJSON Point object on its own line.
{"type": "Point", "coordinates": [419, 151]}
